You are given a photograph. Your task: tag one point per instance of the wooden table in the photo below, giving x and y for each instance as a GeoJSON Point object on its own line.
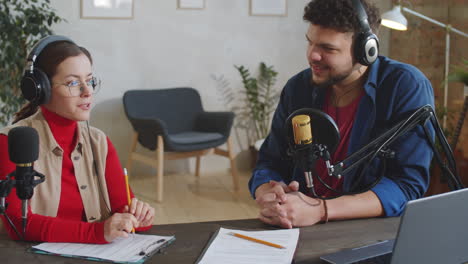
{"type": "Point", "coordinates": [191, 239]}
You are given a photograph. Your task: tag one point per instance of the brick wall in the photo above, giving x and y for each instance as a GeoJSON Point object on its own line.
{"type": "Point", "coordinates": [423, 45]}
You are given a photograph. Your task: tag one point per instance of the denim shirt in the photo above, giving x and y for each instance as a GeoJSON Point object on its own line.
{"type": "Point", "coordinates": [392, 91]}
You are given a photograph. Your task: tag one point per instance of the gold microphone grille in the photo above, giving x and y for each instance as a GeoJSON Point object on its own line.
{"type": "Point", "coordinates": [302, 130]}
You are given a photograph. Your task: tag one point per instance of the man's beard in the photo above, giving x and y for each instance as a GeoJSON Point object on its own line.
{"type": "Point", "coordinates": [332, 80]}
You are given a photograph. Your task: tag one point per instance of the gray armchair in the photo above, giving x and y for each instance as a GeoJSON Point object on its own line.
{"type": "Point", "coordinates": [173, 121]}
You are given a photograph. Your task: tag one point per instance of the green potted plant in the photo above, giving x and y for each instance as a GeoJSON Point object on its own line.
{"type": "Point", "coordinates": [253, 105]}
{"type": "Point", "coordinates": [259, 102]}
{"type": "Point", "coordinates": [22, 23]}
{"type": "Point", "coordinates": [460, 74]}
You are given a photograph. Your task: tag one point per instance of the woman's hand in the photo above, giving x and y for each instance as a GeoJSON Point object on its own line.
{"type": "Point", "coordinates": [119, 225]}
{"type": "Point", "coordinates": [142, 211]}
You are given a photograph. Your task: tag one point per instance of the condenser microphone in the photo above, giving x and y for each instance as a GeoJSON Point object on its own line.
{"type": "Point", "coordinates": [311, 135]}
{"type": "Point", "coordinates": [23, 148]}
{"type": "Point", "coordinates": [302, 138]}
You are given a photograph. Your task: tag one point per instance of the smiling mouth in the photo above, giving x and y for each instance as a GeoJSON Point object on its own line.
{"type": "Point", "coordinates": [318, 69]}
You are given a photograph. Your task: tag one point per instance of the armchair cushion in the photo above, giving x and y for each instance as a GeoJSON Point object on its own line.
{"type": "Point", "coordinates": [194, 137]}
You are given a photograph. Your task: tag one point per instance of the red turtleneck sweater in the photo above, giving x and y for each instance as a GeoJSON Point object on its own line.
{"type": "Point", "coordinates": [70, 224]}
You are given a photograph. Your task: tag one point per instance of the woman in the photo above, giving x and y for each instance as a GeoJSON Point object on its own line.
{"type": "Point", "coordinates": [79, 201]}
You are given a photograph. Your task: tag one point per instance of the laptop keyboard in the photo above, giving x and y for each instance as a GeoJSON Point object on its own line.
{"type": "Point", "coordinates": [382, 259]}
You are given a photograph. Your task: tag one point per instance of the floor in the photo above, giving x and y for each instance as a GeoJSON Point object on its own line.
{"type": "Point", "coordinates": [187, 198]}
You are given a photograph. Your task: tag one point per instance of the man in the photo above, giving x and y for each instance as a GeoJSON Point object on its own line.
{"type": "Point", "coordinates": [364, 101]}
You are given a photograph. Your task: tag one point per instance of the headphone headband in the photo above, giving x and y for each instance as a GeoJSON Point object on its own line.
{"type": "Point", "coordinates": [42, 43]}
{"type": "Point", "coordinates": [362, 16]}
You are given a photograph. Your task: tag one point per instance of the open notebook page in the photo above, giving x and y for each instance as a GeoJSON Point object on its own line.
{"type": "Point", "coordinates": [228, 249]}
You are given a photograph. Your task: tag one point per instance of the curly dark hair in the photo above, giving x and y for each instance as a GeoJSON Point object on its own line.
{"type": "Point", "coordinates": [340, 15]}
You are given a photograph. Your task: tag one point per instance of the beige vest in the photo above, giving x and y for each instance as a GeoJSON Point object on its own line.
{"type": "Point", "coordinates": [92, 187]}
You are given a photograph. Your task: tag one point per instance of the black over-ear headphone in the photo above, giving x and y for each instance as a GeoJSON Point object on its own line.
{"type": "Point", "coordinates": [35, 85]}
{"type": "Point", "coordinates": [366, 43]}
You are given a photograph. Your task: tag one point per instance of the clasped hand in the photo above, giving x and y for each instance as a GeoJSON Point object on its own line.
{"type": "Point", "coordinates": [284, 206]}
{"type": "Point", "coordinates": [139, 214]}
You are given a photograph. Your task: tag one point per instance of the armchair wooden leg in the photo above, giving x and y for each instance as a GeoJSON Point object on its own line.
{"type": "Point", "coordinates": [235, 176]}
{"type": "Point", "coordinates": [197, 166]}
{"type": "Point", "coordinates": [132, 149]}
{"type": "Point", "coordinates": [160, 169]}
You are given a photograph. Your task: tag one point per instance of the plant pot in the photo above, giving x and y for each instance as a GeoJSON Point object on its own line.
{"type": "Point", "coordinates": [254, 152]}
{"type": "Point", "coordinates": [253, 156]}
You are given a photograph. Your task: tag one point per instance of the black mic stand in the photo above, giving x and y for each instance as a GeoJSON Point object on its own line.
{"type": "Point", "coordinates": [306, 157]}
{"type": "Point", "coordinates": [8, 184]}
{"type": "Point", "coordinates": [379, 147]}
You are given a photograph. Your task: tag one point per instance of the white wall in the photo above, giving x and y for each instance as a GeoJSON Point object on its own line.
{"type": "Point", "coordinates": [164, 47]}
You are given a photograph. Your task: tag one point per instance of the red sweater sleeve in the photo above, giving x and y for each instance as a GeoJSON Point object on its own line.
{"type": "Point", "coordinates": [115, 180]}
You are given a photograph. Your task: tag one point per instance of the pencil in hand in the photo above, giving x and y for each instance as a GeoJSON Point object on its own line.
{"type": "Point", "coordinates": [129, 199]}
{"type": "Point", "coordinates": [256, 240]}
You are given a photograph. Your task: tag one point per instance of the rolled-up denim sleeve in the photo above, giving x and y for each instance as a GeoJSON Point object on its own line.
{"type": "Point", "coordinates": [391, 197]}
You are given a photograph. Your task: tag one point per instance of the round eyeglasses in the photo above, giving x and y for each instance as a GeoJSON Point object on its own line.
{"type": "Point", "coordinates": [76, 87]}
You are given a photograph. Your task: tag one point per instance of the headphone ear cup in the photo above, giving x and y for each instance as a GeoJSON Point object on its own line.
{"type": "Point", "coordinates": [29, 88]}
{"type": "Point", "coordinates": [366, 49]}
{"type": "Point", "coordinates": [45, 91]}
{"type": "Point", "coordinates": [35, 87]}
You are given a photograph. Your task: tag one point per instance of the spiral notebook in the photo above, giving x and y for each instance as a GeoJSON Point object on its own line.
{"type": "Point", "coordinates": [136, 248]}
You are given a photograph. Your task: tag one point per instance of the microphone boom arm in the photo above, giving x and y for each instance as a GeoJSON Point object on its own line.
{"type": "Point", "coordinates": [379, 145]}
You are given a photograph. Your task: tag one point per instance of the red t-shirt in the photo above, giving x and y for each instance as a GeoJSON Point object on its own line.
{"type": "Point", "coordinates": [70, 224]}
{"type": "Point", "coordinates": [344, 119]}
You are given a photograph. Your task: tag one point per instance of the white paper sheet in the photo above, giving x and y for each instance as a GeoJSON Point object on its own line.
{"type": "Point", "coordinates": [228, 249]}
{"type": "Point", "coordinates": [120, 250]}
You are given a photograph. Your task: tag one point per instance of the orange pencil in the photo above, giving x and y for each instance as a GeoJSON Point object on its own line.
{"type": "Point", "coordinates": [129, 199]}
{"type": "Point", "coordinates": [256, 240]}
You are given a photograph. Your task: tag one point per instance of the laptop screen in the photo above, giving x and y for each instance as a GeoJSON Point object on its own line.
{"type": "Point", "coordinates": [432, 230]}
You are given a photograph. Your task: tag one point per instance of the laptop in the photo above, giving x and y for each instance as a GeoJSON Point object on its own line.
{"type": "Point", "coordinates": [432, 230]}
